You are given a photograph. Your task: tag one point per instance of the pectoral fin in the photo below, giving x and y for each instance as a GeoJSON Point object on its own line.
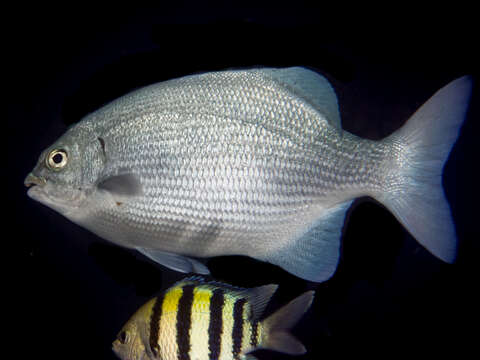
{"type": "Point", "coordinates": [175, 262]}
{"type": "Point", "coordinates": [123, 185]}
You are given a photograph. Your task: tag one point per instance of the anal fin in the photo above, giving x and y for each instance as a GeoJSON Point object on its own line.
{"type": "Point", "coordinates": [314, 255]}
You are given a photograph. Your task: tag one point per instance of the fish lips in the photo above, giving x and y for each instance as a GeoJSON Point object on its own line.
{"type": "Point", "coordinates": [38, 191]}
{"type": "Point", "coordinates": [35, 185]}
{"type": "Point", "coordinates": [32, 180]}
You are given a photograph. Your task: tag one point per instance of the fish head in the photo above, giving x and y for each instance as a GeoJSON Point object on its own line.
{"type": "Point", "coordinates": [129, 345]}
{"type": "Point", "coordinates": [66, 171]}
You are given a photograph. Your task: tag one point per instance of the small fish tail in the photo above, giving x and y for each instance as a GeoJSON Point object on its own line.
{"type": "Point", "coordinates": [421, 148]}
{"type": "Point", "coordinates": [276, 335]}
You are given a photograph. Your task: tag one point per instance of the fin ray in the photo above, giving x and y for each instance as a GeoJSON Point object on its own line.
{"type": "Point", "coordinates": [259, 297]}
{"type": "Point", "coordinates": [175, 262]}
{"type": "Point", "coordinates": [314, 255]}
{"type": "Point", "coordinates": [313, 88]}
{"type": "Point", "coordinates": [426, 140]}
{"type": "Point", "coordinates": [122, 185]}
{"type": "Point", "coordinates": [278, 324]}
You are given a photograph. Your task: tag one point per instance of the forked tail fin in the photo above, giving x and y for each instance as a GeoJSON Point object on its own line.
{"type": "Point", "coordinates": [276, 335]}
{"type": "Point", "coordinates": [421, 148]}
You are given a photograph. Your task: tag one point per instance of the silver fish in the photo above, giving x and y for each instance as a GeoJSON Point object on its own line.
{"type": "Point", "coordinates": [250, 162]}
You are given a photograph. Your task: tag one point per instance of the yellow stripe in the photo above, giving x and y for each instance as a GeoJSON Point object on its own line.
{"type": "Point", "coordinates": [247, 329]}
{"type": "Point", "coordinates": [226, 345]}
{"type": "Point", "coordinates": [170, 303]}
{"type": "Point", "coordinates": [200, 323]}
{"type": "Point", "coordinates": [168, 321]}
{"type": "Point", "coordinates": [261, 335]}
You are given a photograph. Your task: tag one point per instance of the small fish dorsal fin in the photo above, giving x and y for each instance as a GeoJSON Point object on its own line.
{"type": "Point", "coordinates": [312, 87]}
{"type": "Point", "coordinates": [258, 297]}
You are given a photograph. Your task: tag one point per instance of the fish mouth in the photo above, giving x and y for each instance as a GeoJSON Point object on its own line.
{"type": "Point", "coordinates": [32, 180]}
{"type": "Point", "coordinates": [45, 192]}
{"type": "Point", "coordinates": [37, 185]}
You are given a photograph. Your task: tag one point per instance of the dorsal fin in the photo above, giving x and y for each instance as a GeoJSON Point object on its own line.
{"type": "Point", "coordinates": [313, 88]}
{"type": "Point", "coordinates": [202, 281]}
{"type": "Point", "coordinates": [258, 297]}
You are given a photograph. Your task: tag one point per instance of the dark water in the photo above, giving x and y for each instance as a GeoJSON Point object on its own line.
{"type": "Point", "coordinates": [71, 292]}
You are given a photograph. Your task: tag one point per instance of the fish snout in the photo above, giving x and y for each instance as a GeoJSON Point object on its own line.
{"type": "Point", "coordinates": [31, 180]}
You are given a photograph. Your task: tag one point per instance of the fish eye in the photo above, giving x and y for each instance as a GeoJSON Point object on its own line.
{"type": "Point", "coordinates": [122, 336]}
{"type": "Point", "coordinates": [57, 159]}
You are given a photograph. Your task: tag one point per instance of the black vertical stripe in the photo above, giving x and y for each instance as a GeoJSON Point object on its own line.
{"type": "Point", "coordinates": [184, 322]}
{"type": "Point", "coordinates": [155, 324]}
{"type": "Point", "coordinates": [216, 323]}
{"type": "Point", "coordinates": [237, 332]}
{"type": "Point", "coordinates": [254, 335]}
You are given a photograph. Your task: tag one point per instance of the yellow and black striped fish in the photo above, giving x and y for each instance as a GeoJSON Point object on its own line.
{"type": "Point", "coordinates": [200, 320]}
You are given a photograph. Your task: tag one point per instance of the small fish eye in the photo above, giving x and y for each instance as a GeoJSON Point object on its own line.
{"type": "Point", "coordinates": [122, 337]}
{"type": "Point", "coordinates": [57, 159]}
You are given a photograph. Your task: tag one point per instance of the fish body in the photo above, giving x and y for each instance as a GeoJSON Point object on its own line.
{"type": "Point", "coordinates": [250, 162]}
{"type": "Point", "coordinates": [199, 320]}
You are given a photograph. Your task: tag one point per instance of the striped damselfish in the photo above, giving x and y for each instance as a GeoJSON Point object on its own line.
{"type": "Point", "coordinates": [197, 319]}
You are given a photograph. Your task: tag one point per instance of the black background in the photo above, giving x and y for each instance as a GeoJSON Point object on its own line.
{"type": "Point", "coordinates": [70, 292]}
